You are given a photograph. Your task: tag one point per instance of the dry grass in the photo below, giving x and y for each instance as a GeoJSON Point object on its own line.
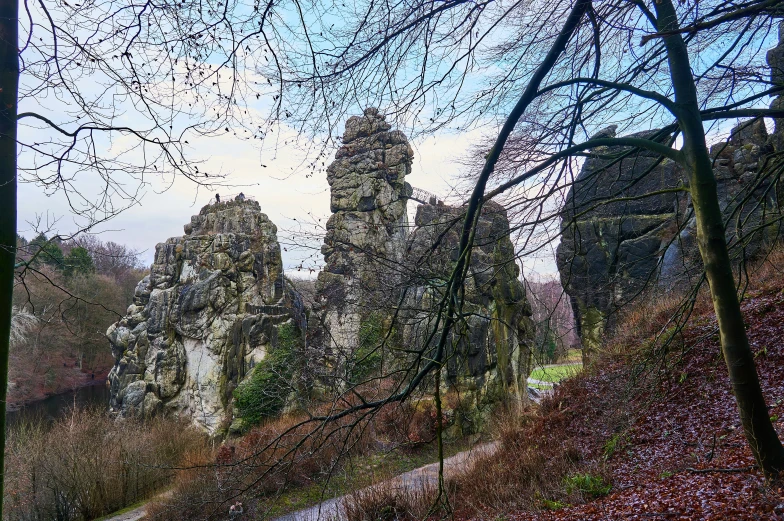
{"type": "Point", "coordinates": [765, 275]}
{"type": "Point", "coordinates": [657, 314]}
{"type": "Point", "coordinates": [283, 454]}
{"type": "Point", "coordinates": [388, 503]}
{"type": "Point", "coordinates": [86, 464]}
{"type": "Point", "coordinates": [541, 463]}
{"type": "Point", "coordinates": [529, 470]}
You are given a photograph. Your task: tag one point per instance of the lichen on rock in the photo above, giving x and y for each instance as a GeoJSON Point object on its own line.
{"type": "Point", "coordinates": [374, 265]}
{"type": "Point", "coordinates": [609, 250]}
{"type": "Point", "coordinates": [365, 235]}
{"type": "Point", "coordinates": [203, 318]}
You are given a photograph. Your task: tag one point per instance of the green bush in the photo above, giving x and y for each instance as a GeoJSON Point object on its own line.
{"type": "Point", "coordinates": [264, 392]}
{"type": "Point", "coordinates": [587, 484]}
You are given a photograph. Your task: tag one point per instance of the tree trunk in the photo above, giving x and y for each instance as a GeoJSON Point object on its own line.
{"type": "Point", "coordinates": [9, 83]}
{"type": "Point", "coordinates": [712, 243]}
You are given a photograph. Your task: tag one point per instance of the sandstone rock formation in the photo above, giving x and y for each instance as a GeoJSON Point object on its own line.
{"type": "Point", "coordinates": [775, 59]}
{"type": "Point", "coordinates": [373, 264]}
{"type": "Point", "coordinates": [365, 235]}
{"type": "Point", "coordinates": [489, 355]}
{"type": "Point", "coordinates": [610, 252]}
{"type": "Point", "coordinates": [216, 308]}
{"type": "Point", "coordinates": [205, 316]}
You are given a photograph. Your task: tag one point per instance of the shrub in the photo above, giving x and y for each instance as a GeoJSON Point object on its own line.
{"type": "Point", "coordinates": [264, 392]}
{"type": "Point", "coordinates": [275, 456]}
{"type": "Point", "coordinates": [408, 423]}
{"type": "Point", "coordinates": [391, 502]}
{"type": "Point", "coordinates": [87, 465]}
{"type": "Point", "coordinates": [611, 446]}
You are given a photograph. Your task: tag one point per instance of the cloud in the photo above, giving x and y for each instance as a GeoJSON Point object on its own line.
{"type": "Point", "coordinates": [286, 194]}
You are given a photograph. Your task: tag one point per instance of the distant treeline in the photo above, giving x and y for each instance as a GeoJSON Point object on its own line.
{"type": "Point", "coordinates": [66, 297]}
{"type": "Point", "coordinates": [553, 319]}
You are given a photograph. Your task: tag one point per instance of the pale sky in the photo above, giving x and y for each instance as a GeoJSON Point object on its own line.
{"type": "Point", "coordinates": [284, 196]}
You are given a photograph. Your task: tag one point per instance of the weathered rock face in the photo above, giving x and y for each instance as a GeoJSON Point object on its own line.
{"type": "Point", "coordinates": [775, 59]}
{"type": "Point", "coordinates": [372, 262]}
{"type": "Point", "coordinates": [365, 234]}
{"type": "Point", "coordinates": [489, 355]}
{"type": "Point", "coordinates": [610, 252]}
{"type": "Point", "coordinates": [216, 304]}
{"type": "Point", "coordinates": [202, 318]}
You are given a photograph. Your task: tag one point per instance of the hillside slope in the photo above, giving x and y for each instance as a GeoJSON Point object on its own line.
{"type": "Point", "coordinates": [649, 433]}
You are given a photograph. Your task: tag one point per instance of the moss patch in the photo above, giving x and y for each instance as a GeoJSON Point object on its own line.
{"type": "Point", "coordinates": [264, 392]}
{"type": "Point", "coordinates": [366, 360]}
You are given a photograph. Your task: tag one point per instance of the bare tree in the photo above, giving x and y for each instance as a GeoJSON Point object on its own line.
{"type": "Point", "coordinates": [625, 63]}
{"type": "Point", "coordinates": [553, 320]}
{"type": "Point", "coordinates": [100, 99]}
{"type": "Point", "coordinates": [424, 63]}
{"type": "Point", "coordinates": [418, 62]}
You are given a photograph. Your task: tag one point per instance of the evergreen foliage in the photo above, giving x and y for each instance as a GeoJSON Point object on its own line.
{"type": "Point", "coordinates": [79, 262]}
{"type": "Point", "coordinates": [47, 252]}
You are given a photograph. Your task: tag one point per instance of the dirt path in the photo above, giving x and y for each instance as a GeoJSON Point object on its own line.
{"type": "Point", "coordinates": [137, 513]}
{"type": "Point", "coordinates": [132, 515]}
{"type": "Point", "coordinates": [417, 478]}
{"type": "Point", "coordinates": [330, 508]}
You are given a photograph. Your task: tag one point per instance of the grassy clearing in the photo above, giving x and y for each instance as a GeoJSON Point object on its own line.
{"type": "Point", "coordinates": [555, 373]}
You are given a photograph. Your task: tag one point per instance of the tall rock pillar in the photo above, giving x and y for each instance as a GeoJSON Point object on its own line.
{"type": "Point", "coordinates": [365, 237]}
{"type": "Point", "coordinates": [775, 58]}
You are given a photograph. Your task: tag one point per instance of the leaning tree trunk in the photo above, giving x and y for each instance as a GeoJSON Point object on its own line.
{"type": "Point", "coordinates": [712, 243]}
{"type": "Point", "coordinates": [9, 83]}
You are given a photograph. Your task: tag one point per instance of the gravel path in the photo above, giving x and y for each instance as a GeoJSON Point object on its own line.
{"type": "Point", "coordinates": [540, 382]}
{"type": "Point", "coordinates": [132, 515]}
{"type": "Point", "coordinates": [137, 513]}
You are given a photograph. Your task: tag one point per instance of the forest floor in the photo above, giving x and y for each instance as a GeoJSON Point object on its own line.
{"type": "Point", "coordinates": [662, 426]}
